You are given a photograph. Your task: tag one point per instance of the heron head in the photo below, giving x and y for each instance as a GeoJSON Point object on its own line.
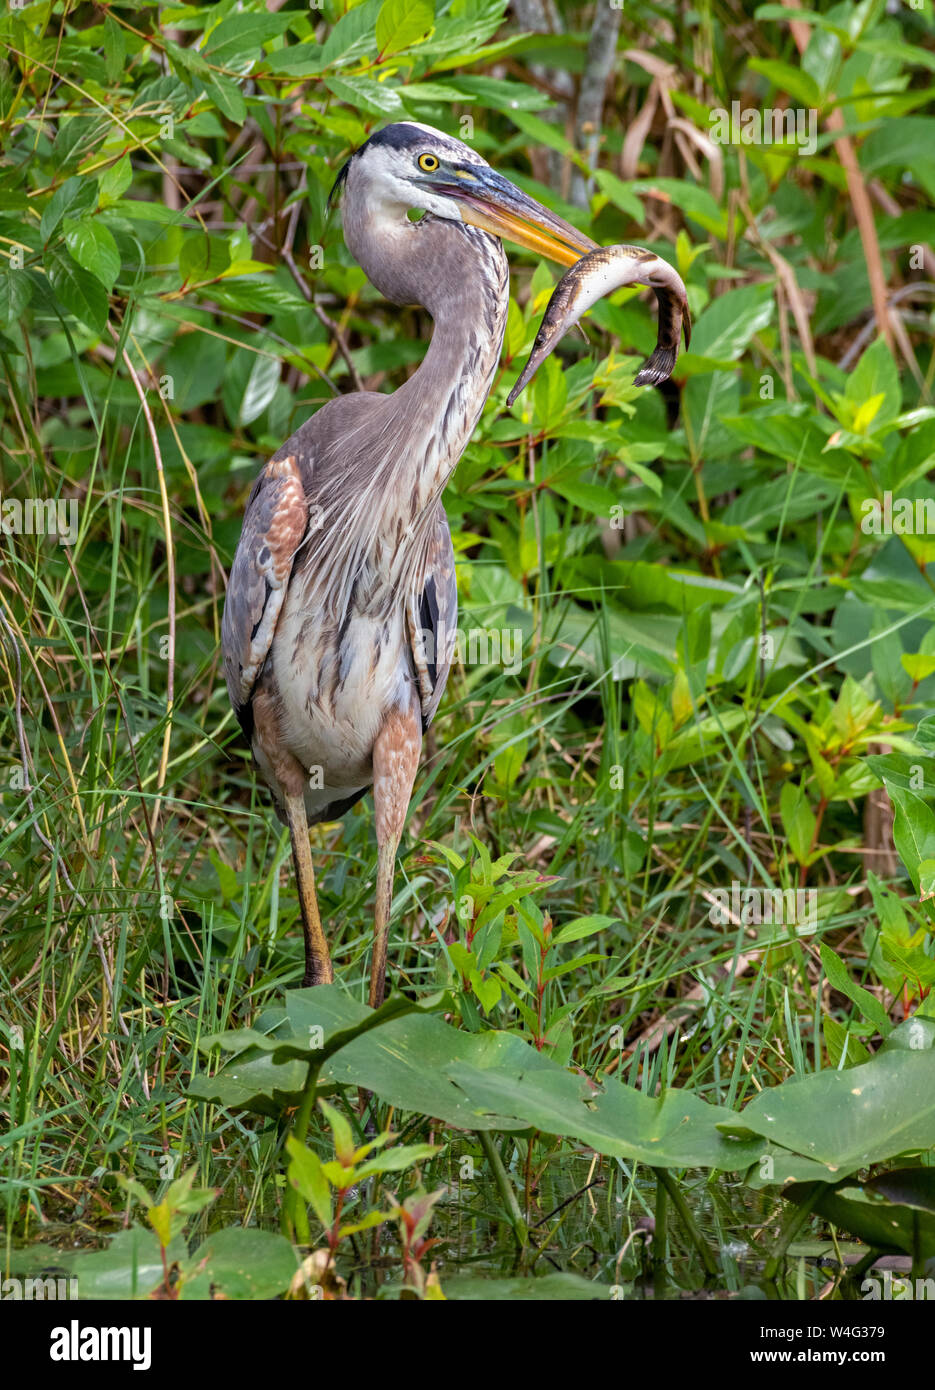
{"type": "Point", "coordinates": [410, 166]}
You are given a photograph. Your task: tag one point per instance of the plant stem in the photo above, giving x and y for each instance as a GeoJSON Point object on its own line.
{"type": "Point", "coordinates": [294, 1215]}
{"type": "Point", "coordinates": [791, 1227]}
{"type": "Point", "coordinates": [660, 1231]}
{"type": "Point", "coordinates": [505, 1188]}
{"type": "Point", "coordinates": [852, 1276]}
{"type": "Point", "coordinates": [681, 1206]}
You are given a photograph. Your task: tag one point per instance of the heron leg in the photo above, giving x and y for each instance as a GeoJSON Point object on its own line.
{"type": "Point", "coordinates": [318, 968]}
{"type": "Point", "coordinates": [286, 774]}
{"type": "Point", "coordinates": [395, 762]}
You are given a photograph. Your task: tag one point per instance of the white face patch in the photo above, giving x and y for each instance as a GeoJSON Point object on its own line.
{"type": "Point", "coordinates": [385, 173]}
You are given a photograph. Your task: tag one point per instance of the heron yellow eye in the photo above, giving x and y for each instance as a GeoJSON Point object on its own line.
{"type": "Point", "coordinates": [428, 163]}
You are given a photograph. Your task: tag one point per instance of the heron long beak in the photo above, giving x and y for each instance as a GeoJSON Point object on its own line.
{"type": "Point", "coordinates": [490, 201]}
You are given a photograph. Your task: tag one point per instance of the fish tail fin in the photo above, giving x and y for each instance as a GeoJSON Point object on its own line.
{"type": "Point", "coordinates": [656, 368]}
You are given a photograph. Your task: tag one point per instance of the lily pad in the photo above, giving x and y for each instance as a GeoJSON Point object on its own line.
{"type": "Point", "coordinates": [777, 1167]}
{"type": "Point", "coordinates": [916, 1034]}
{"type": "Point", "coordinates": [240, 1263]}
{"type": "Point", "coordinates": [851, 1119]}
{"type": "Point", "coordinates": [677, 1130]}
{"type": "Point", "coordinates": [487, 1081]}
{"type": "Point", "coordinates": [909, 1187]}
{"type": "Point", "coordinates": [563, 1287]}
{"type": "Point", "coordinates": [882, 1225]}
{"type": "Point", "coordinates": [131, 1266]}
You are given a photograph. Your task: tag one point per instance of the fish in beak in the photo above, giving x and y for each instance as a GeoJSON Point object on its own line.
{"type": "Point", "coordinates": [597, 274]}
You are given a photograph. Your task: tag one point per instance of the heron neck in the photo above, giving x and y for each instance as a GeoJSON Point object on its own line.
{"type": "Point", "coordinates": [439, 406]}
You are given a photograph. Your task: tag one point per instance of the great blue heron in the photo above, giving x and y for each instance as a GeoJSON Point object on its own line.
{"type": "Point", "coordinates": [341, 610]}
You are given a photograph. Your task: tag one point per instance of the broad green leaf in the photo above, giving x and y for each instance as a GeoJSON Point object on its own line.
{"type": "Point", "coordinates": [798, 821]}
{"type": "Point", "coordinates": [913, 829]}
{"type": "Point", "coordinates": [75, 197]}
{"type": "Point", "coordinates": [915, 1034]}
{"type": "Point", "coordinates": [880, 1224]}
{"type": "Point", "coordinates": [364, 94]}
{"type": "Point", "coordinates": [93, 247]}
{"type": "Point", "coordinates": [344, 1145]}
{"type": "Point", "coordinates": [350, 38]}
{"type": "Point", "coordinates": [788, 78]}
{"type": "Point", "coordinates": [15, 294]}
{"type": "Point", "coordinates": [402, 23]}
{"type": "Point", "coordinates": [115, 181]}
{"type": "Point", "coordinates": [582, 927]}
{"type": "Point", "coordinates": [563, 1288]}
{"type": "Point", "coordinates": [488, 1080]}
{"type": "Point", "coordinates": [306, 1175]}
{"type": "Point", "coordinates": [851, 1119]}
{"type": "Point", "coordinates": [227, 97]}
{"type": "Point", "coordinates": [130, 1268]}
{"type": "Point", "coordinates": [78, 292]}
{"type": "Point", "coordinates": [675, 1130]}
{"type": "Point", "coordinates": [203, 258]}
{"type": "Point", "coordinates": [240, 1263]}
{"type": "Point", "coordinates": [259, 389]}
{"type": "Point", "coordinates": [240, 35]}
{"type": "Point", "coordinates": [726, 327]}
{"type": "Point", "coordinates": [839, 979]}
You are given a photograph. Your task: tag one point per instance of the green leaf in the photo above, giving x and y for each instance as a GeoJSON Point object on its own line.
{"type": "Point", "coordinates": [495, 93]}
{"type": "Point", "coordinates": [240, 1263]}
{"type": "Point", "coordinates": [839, 979]}
{"type": "Point", "coordinates": [854, 1118]}
{"type": "Point", "coordinates": [15, 294]}
{"type": "Point", "coordinates": [909, 1187]}
{"type": "Point", "coordinates": [550, 394]}
{"type": "Point", "coordinates": [563, 1288]}
{"type": "Point", "coordinates": [351, 37]}
{"type": "Point", "coordinates": [875, 375]}
{"type": "Point", "coordinates": [697, 203]}
{"type": "Point", "coordinates": [798, 821]}
{"type": "Point", "coordinates": [726, 327]}
{"type": "Point", "coordinates": [307, 1176]}
{"type": "Point", "coordinates": [203, 258]}
{"type": "Point", "coordinates": [913, 829]}
{"type": "Point", "coordinates": [620, 194]}
{"type": "Point", "coordinates": [594, 498]}
{"type": "Point", "coordinates": [677, 1129]}
{"type": "Point", "coordinates": [916, 1034]}
{"type": "Point", "coordinates": [489, 1080]}
{"type": "Point", "coordinates": [130, 1268]}
{"type": "Point", "coordinates": [788, 78]}
{"type": "Point", "coordinates": [344, 1145]}
{"type": "Point", "coordinates": [844, 1047]}
{"type": "Point", "coordinates": [76, 196]}
{"type": "Point", "coordinates": [402, 23]}
{"type": "Point", "coordinates": [364, 94]}
{"type": "Point", "coordinates": [93, 247]}
{"type": "Point", "coordinates": [259, 390]}
{"type": "Point", "coordinates": [582, 927]}
{"type": "Point", "coordinates": [77, 291]}
{"type": "Point", "coordinates": [397, 1160]}
{"type": "Point", "coordinates": [878, 1223]}
{"type": "Point", "coordinates": [240, 35]}
{"type": "Point", "coordinates": [115, 181]}
{"type": "Point", "coordinates": [227, 97]}
{"type": "Point", "coordinates": [115, 48]}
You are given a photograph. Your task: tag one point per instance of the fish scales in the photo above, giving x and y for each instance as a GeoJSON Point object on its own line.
{"type": "Point", "coordinates": [600, 273]}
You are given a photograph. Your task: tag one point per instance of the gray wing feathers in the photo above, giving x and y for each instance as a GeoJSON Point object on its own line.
{"type": "Point", "coordinates": [435, 631]}
{"type": "Point", "coordinates": [274, 527]}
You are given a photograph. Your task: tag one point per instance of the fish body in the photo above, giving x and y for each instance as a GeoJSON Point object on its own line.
{"type": "Point", "coordinates": [598, 274]}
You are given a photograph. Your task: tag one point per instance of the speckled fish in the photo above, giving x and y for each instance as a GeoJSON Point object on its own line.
{"type": "Point", "coordinates": [599, 273]}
